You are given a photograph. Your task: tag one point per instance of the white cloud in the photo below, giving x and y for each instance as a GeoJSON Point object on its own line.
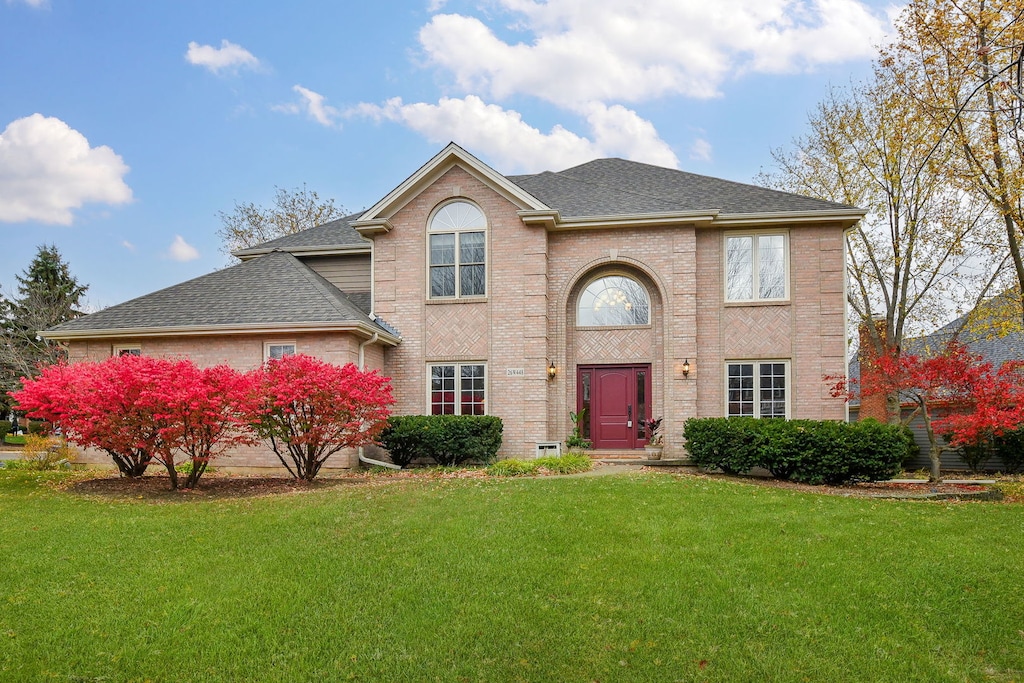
{"type": "Point", "coordinates": [128, 245]}
{"type": "Point", "coordinates": [31, 3]}
{"type": "Point", "coordinates": [180, 250]}
{"type": "Point", "coordinates": [700, 150]}
{"type": "Point", "coordinates": [47, 169]}
{"type": "Point", "coordinates": [513, 145]}
{"type": "Point", "coordinates": [436, 5]}
{"type": "Point", "coordinates": [228, 57]}
{"type": "Point", "coordinates": [313, 105]}
{"type": "Point", "coordinates": [607, 50]}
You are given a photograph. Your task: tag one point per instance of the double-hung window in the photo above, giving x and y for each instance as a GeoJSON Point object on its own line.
{"type": "Point", "coordinates": [755, 267]}
{"type": "Point", "coordinates": [457, 251]}
{"type": "Point", "coordinates": [278, 350]}
{"type": "Point", "coordinates": [757, 389]}
{"type": "Point", "coordinates": [458, 389]}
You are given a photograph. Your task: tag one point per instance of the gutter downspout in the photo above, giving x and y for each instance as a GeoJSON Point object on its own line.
{"type": "Point", "coordinates": [362, 366]}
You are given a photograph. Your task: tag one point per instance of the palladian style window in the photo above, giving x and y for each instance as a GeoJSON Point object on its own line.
{"type": "Point", "coordinates": [613, 301]}
{"type": "Point", "coordinates": [755, 267]}
{"type": "Point", "coordinates": [458, 248]}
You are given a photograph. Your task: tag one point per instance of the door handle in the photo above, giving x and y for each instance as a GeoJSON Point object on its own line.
{"type": "Point", "coordinates": [629, 414]}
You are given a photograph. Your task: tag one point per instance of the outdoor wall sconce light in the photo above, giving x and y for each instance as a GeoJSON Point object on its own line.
{"type": "Point", "coordinates": [552, 370]}
{"type": "Point", "coordinates": [686, 368]}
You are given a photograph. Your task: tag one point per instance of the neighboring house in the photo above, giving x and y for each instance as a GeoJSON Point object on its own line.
{"type": "Point", "coordinates": [985, 333]}
{"type": "Point", "coordinates": [617, 287]}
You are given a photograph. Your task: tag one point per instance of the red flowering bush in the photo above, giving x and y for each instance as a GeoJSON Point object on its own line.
{"type": "Point", "coordinates": [310, 409]}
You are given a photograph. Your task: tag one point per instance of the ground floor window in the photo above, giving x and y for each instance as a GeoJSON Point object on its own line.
{"type": "Point", "coordinates": [278, 350]}
{"type": "Point", "coordinates": [757, 389]}
{"type": "Point", "coordinates": [127, 350]}
{"type": "Point", "coordinates": [457, 389]}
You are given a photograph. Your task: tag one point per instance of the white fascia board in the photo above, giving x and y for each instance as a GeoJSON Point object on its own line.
{"type": "Point", "coordinates": [699, 218]}
{"type": "Point", "coordinates": [451, 155]}
{"type": "Point", "coordinates": [848, 217]}
{"type": "Point", "coordinates": [366, 329]}
{"type": "Point", "coordinates": [324, 250]}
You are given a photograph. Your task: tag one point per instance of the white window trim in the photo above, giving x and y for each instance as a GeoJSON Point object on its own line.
{"type": "Point", "coordinates": [486, 230]}
{"type": "Point", "coordinates": [458, 389]}
{"type": "Point", "coordinates": [757, 402]}
{"type": "Point", "coordinates": [121, 348]}
{"type": "Point", "coordinates": [755, 287]}
{"type": "Point", "coordinates": [268, 344]}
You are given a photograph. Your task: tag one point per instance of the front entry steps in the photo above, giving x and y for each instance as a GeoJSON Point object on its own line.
{"type": "Point", "coordinates": [636, 457]}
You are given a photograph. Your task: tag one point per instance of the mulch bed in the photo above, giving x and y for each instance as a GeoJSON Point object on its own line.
{"type": "Point", "coordinates": [217, 485]}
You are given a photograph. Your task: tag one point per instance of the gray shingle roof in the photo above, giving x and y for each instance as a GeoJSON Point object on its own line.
{"type": "Point", "coordinates": [274, 289]}
{"type": "Point", "coordinates": [337, 233]}
{"type": "Point", "coordinates": [609, 187]}
{"type": "Point", "coordinates": [981, 335]}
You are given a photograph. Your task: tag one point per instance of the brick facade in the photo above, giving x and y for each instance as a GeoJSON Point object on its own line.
{"type": "Point", "coordinates": [535, 273]}
{"type": "Point", "coordinates": [527, 319]}
{"type": "Point", "coordinates": [241, 352]}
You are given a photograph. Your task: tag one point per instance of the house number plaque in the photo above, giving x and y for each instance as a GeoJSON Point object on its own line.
{"type": "Point", "coordinates": [515, 372]}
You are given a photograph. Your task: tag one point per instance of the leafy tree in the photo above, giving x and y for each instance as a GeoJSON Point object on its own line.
{"type": "Point", "coordinates": [985, 401]}
{"type": "Point", "coordinates": [960, 63]}
{"type": "Point", "coordinates": [924, 243]}
{"type": "Point", "coordinates": [139, 409]}
{"type": "Point", "coordinates": [99, 405]}
{"type": "Point", "coordinates": [48, 295]}
{"type": "Point", "coordinates": [292, 211]}
{"type": "Point", "coordinates": [310, 410]}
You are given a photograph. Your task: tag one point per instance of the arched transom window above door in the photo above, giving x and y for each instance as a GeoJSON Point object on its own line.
{"type": "Point", "coordinates": [613, 301]}
{"type": "Point", "coordinates": [458, 248]}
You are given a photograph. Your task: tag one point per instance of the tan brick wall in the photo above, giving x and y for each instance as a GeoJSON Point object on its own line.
{"type": "Point", "coordinates": [241, 352]}
{"type": "Point", "coordinates": [507, 330]}
{"type": "Point", "coordinates": [528, 318]}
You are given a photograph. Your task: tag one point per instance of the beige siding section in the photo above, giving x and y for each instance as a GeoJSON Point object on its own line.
{"type": "Point", "coordinates": [349, 273]}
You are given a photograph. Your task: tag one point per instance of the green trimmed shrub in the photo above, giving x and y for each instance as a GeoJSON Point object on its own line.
{"type": "Point", "coordinates": [1009, 447]}
{"type": "Point", "coordinates": [39, 428]}
{"type": "Point", "coordinates": [728, 444]}
{"type": "Point", "coordinates": [449, 440]}
{"type": "Point", "coordinates": [5, 428]}
{"type": "Point", "coordinates": [806, 451]}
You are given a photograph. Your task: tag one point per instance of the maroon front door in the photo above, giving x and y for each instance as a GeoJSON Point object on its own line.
{"type": "Point", "coordinates": [616, 399]}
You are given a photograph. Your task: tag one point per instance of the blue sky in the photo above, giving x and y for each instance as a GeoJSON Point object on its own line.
{"type": "Point", "coordinates": [126, 126]}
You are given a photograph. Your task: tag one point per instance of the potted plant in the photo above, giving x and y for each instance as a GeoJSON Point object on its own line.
{"type": "Point", "coordinates": [575, 443]}
{"type": "Point", "coordinates": [654, 439]}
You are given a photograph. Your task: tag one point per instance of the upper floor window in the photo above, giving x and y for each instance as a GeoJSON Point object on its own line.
{"type": "Point", "coordinates": [458, 251]}
{"type": "Point", "coordinates": [755, 267]}
{"type": "Point", "coordinates": [613, 300]}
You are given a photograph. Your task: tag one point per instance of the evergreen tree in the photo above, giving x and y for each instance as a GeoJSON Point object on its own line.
{"type": "Point", "coordinates": [48, 295]}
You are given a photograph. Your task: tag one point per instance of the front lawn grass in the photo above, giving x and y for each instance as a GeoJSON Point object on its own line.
{"type": "Point", "coordinates": [617, 578]}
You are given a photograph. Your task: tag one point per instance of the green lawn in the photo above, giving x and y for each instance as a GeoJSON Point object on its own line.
{"type": "Point", "coordinates": [617, 578]}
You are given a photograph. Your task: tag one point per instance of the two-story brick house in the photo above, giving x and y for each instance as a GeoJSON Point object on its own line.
{"type": "Point", "coordinates": [621, 288]}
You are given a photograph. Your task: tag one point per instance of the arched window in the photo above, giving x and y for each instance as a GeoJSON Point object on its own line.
{"type": "Point", "coordinates": [458, 251]}
{"type": "Point", "coordinates": [612, 301]}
